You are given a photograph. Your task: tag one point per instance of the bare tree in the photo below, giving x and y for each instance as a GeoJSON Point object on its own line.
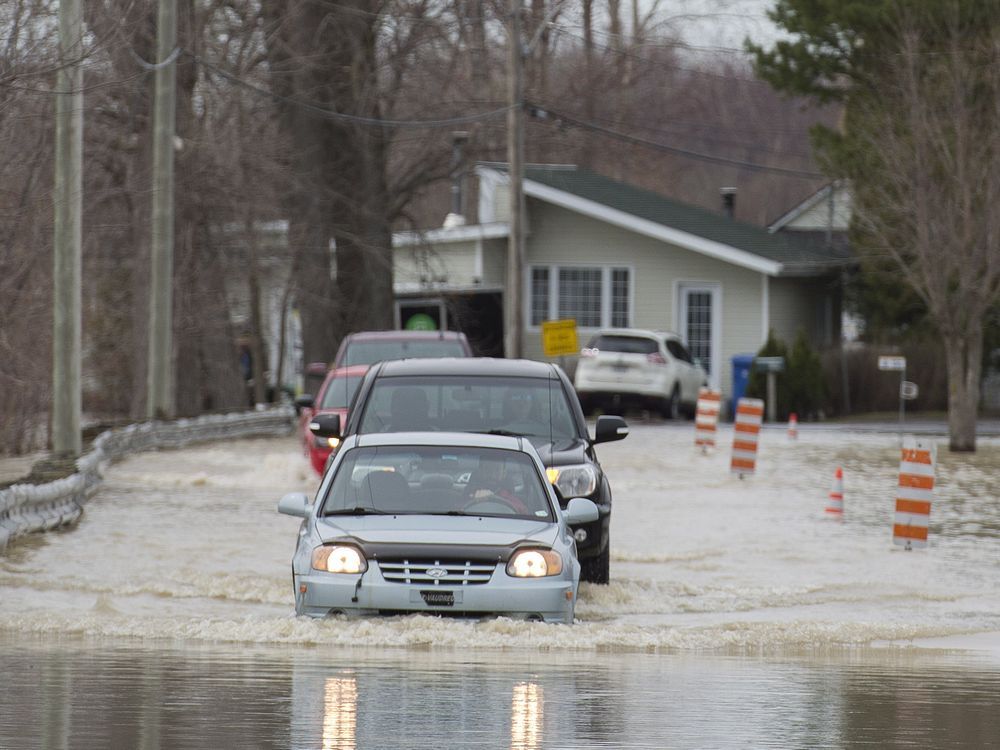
{"type": "Point", "coordinates": [930, 187]}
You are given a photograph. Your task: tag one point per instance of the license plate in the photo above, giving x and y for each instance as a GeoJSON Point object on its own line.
{"type": "Point", "coordinates": [438, 598]}
{"type": "Point", "coordinates": [618, 367]}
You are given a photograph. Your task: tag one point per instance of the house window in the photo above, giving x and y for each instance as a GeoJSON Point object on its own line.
{"type": "Point", "coordinates": [593, 296]}
{"type": "Point", "coordinates": [539, 295]}
{"type": "Point", "coordinates": [619, 297]}
{"type": "Point", "coordinates": [580, 296]}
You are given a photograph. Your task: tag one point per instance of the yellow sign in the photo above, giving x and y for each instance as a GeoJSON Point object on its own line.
{"type": "Point", "coordinates": [559, 338]}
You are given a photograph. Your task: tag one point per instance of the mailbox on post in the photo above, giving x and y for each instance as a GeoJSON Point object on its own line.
{"type": "Point", "coordinates": [771, 366]}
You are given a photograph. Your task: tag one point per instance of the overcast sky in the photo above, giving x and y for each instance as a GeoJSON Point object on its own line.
{"type": "Point", "coordinates": [719, 23]}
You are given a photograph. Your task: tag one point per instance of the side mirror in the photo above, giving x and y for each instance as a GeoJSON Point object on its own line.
{"type": "Point", "coordinates": [325, 425]}
{"type": "Point", "coordinates": [580, 510]}
{"type": "Point", "coordinates": [294, 504]}
{"type": "Point", "coordinates": [610, 428]}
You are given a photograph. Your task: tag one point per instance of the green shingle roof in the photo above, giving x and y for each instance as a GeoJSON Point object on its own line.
{"type": "Point", "coordinates": [796, 256]}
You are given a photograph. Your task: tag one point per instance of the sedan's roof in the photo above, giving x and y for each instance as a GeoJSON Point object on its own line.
{"type": "Point", "coordinates": [469, 367]}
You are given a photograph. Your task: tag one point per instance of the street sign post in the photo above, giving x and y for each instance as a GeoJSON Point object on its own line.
{"type": "Point", "coordinates": [559, 338]}
{"type": "Point", "coordinates": [895, 363]}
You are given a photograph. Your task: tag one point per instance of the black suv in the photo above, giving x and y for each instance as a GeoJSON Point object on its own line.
{"type": "Point", "coordinates": [500, 396]}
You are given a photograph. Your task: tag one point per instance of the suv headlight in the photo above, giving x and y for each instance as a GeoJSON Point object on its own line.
{"type": "Point", "coordinates": [339, 558]}
{"type": "Point", "coordinates": [534, 563]}
{"type": "Point", "coordinates": [574, 481]}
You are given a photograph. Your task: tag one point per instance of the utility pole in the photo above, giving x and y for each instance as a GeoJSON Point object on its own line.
{"type": "Point", "coordinates": [513, 297]}
{"type": "Point", "coordinates": [160, 375]}
{"type": "Point", "coordinates": [67, 441]}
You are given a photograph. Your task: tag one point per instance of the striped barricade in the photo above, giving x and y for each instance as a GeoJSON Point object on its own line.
{"type": "Point", "coordinates": [749, 415]}
{"type": "Point", "coordinates": [916, 491]}
{"type": "Point", "coordinates": [835, 503]}
{"type": "Point", "coordinates": [706, 418]}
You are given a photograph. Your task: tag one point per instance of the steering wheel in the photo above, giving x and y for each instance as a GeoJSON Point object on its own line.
{"type": "Point", "coordinates": [491, 500]}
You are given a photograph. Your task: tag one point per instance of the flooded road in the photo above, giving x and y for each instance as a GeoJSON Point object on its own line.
{"type": "Point", "coordinates": [737, 616]}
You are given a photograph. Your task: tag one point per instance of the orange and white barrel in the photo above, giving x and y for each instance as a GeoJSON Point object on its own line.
{"type": "Point", "coordinates": [916, 491]}
{"type": "Point", "coordinates": [706, 417]}
{"type": "Point", "coordinates": [746, 429]}
{"type": "Point", "coordinates": [835, 503]}
{"type": "Point", "coordinates": [793, 426]}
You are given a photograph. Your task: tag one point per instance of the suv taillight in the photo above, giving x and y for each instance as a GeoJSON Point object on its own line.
{"type": "Point", "coordinates": [656, 358]}
{"type": "Point", "coordinates": [588, 352]}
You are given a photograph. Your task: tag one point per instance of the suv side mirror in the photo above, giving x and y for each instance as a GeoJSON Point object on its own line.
{"type": "Point", "coordinates": [325, 425]}
{"type": "Point", "coordinates": [610, 428]}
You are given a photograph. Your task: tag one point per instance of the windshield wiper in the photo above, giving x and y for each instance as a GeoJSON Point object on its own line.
{"type": "Point", "coordinates": [505, 433]}
{"type": "Point", "coordinates": [359, 511]}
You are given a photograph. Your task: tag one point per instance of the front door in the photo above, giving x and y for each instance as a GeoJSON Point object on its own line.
{"type": "Point", "coordinates": [699, 319]}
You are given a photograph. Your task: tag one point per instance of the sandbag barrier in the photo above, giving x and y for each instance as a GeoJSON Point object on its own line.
{"type": "Point", "coordinates": [26, 508]}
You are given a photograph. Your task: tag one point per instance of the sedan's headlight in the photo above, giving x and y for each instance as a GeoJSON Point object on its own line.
{"type": "Point", "coordinates": [573, 481]}
{"type": "Point", "coordinates": [338, 558]}
{"type": "Point", "coordinates": [535, 563]}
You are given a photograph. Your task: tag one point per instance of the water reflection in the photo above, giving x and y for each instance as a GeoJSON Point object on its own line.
{"type": "Point", "coordinates": [526, 714]}
{"type": "Point", "coordinates": [340, 717]}
{"type": "Point", "coordinates": [80, 695]}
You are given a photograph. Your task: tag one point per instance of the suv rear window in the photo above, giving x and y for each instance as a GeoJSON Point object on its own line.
{"type": "Point", "coordinates": [370, 352]}
{"type": "Point", "coordinates": [624, 344]}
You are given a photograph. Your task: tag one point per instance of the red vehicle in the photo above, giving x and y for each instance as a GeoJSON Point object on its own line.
{"type": "Point", "coordinates": [369, 347]}
{"type": "Point", "coordinates": [333, 397]}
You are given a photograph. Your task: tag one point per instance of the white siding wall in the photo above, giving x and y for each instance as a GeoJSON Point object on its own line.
{"type": "Point", "coordinates": [801, 304]}
{"type": "Point", "coordinates": [564, 237]}
{"type": "Point", "coordinates": [452, 263]}
{"type": "Point", "coordinates": [495, 262]}
{"type": "Point", "coordinates": [817, 218]}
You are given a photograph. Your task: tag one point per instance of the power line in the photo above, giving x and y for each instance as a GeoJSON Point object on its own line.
{"type": "Point", "coordinates": [545, 113]}
{"type": "Point", "coordinates": [342, 116]}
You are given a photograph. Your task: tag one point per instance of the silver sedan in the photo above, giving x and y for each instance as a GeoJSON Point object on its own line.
{"type": "Point", "coordinates": [441, 523]}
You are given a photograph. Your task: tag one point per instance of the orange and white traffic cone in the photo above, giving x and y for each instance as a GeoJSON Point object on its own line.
{"type": "Point", "coordinates": [793, 426]}
{"type": "Point", "coordinates": [835, 505]}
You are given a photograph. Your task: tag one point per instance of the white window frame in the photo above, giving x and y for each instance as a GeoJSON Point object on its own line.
{"type": "Point", "coordinates": [714, 290]}
{"type": "Point", "coordinates": [606, 293]}
{"type": "Point", "coordinates": [423, 302]}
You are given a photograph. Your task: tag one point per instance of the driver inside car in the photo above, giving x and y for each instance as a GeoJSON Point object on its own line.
{"type": "Point", "coordinates": [494, 482]}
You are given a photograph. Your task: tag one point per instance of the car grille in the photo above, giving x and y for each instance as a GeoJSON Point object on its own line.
{"type": "Point", "coordinates": [458, 572]}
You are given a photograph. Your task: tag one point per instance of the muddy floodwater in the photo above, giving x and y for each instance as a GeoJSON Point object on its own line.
{"type": "Point", "coordinates": [738, 616]}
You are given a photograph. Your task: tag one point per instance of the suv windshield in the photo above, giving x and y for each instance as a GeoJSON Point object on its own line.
{"type": "Point", "coordinates": [448, 480]}
{"type": "Point", "coordinates": [370, 352]}
{"type": "Point", "coordinates": [533, 407]}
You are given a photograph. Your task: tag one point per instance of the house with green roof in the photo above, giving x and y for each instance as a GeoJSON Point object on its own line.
{"type": "Point", "coordinates": [608, 254]}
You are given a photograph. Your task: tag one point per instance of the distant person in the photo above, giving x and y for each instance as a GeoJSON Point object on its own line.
{"type": "Point", "coordinates": [409, 410]}
{"type": "Point", "coordinates": [520, 413]}
{"type": "Point", "coordinates": [495, 482]}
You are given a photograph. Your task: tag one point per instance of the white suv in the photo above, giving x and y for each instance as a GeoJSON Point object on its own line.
{"type": "Point", "coordinates": [653, 368]}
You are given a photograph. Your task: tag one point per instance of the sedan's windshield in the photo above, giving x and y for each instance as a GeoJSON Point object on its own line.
{"type": "Point", "coordinates": [437, 480]}
{"type": "Point", "coordinates": [370, 352]}
{"type": "Point", "coordinates": [533, 407]}
{"type": "Point", "coordinates": [339, 392]}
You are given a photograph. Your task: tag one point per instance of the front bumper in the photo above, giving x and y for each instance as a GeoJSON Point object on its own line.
{"type": "Point", "coordinates": [550, 599]}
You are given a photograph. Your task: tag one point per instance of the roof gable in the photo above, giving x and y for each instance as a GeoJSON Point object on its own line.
{"type": "Point", "coordinates": [687, 226]}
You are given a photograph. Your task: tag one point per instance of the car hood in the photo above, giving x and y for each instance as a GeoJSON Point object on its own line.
{"type": "Point", "coordinates": [562, 452]}
{"type": "Point", "coordinates": [439, 530]}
